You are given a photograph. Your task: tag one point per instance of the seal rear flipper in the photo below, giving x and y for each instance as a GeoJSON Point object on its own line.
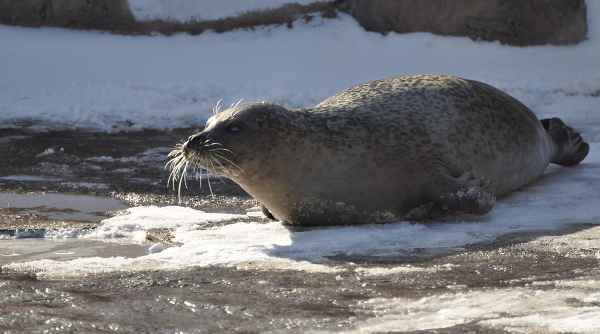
{"type": "Point", "coordinates": [569, 147]}
{"type": "Point", "coordinates": [466, 193]}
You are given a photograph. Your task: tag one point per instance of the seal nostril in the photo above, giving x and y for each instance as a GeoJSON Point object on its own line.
{"type": "Point", "coordinates": [195, 142]}
{"type": "Point", "coordinates": [197, 138]}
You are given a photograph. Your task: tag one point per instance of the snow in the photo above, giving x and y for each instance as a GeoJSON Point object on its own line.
{"type": "Point", "coordinates": [71, 79]}
{"type": "Point", "coordinates": [157, 248]}
{"type": "Point", "coordinates": [450, 309]}
{"type": "Point", "coordinates": [201, 10]}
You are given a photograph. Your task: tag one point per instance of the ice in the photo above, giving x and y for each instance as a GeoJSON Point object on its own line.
{"type": "Point", "coordinates": [546, 311]}
{"type": "Point", "coordinates": [563, 196]}
{"type": "Point", "coordinates": [157, 248]}
{"type": "Point", "coordinates": [48, 151]}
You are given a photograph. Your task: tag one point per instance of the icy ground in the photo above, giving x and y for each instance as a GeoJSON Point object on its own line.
{"type": "Point", "coordinates": [58, 79]}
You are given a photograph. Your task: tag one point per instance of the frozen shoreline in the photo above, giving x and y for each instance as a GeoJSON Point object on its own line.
{"type": "Point", "coordinates": [529, 265]}
{"type": "Point", "coordinates": [64, 79]}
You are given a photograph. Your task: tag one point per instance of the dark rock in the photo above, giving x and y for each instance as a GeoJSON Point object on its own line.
{"type": "Point", "coordinates": [112, 15]}
{"type": "Point", "coordinates": [515, 22]}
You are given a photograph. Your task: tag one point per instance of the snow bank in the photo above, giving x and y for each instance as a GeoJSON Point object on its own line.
{"type": "Point", "coordinates": [201, 10]}
{"type": "Point", "coordinates": [71, 79]}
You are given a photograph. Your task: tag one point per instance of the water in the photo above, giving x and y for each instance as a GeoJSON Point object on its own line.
{"type": "Point", "coordinates": [60, 242]}
{"type": "Point", "coordinates": [546, 282]}
{"type": "Point", "coordinates": [32, 249]}
{"type": "Point", "coordinates": [62, 207]}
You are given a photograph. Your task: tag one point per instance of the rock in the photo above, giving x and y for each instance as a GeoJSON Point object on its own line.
{"type": "Point", "coordinates": [515, 22]}
{"type": "Point", "coordinates": [112, 15]}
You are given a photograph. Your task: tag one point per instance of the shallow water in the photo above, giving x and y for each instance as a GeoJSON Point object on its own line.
{"type": "Point", "coordinates": [62, 207]}
{"type": "Point", "coordinates": [32, 249]}
{"type": "Point", "coordinates": [62, 244]}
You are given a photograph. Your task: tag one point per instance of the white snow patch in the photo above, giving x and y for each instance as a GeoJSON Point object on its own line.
{"type": "Point", "coordinates": [157, 248]}
{"type": "Point", "coordinates": [47, 152]}
{"type": "Point", "coordinates": [201, 10]}
{"type": "Point", "coordinates": [546, 311]}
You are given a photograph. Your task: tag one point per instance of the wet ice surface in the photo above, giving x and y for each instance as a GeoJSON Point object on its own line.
{"type": "Point", "coordinates": [32, 249]}
{"type": "Point", "coordinates": [531, 265]}
{"type": "Point", "coordinates": [522, 288]}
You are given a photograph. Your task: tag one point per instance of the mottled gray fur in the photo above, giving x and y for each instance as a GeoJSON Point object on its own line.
{"type": "Point", "coordinates": [386, 150]}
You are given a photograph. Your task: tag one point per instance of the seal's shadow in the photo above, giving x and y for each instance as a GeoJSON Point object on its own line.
{"type": "Point", "coordinates": [452, 234]}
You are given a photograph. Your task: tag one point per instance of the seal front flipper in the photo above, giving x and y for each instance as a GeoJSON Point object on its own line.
{"type": "Point", "coordinates": [466, 193]}
{"type": "Point", "coordinates": [267, 213]}
{"type": "Point", "coordinates": [569, 147]}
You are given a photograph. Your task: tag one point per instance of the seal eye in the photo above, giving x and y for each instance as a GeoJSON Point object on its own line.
{"type": "Point", "coordinates": [234, 129]}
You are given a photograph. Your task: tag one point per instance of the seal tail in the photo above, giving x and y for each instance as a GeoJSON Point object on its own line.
{"type": "Point", "coordinates": [569, 147]}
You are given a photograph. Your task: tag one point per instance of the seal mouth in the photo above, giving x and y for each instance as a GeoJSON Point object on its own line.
{"type": "Point", "coordinates": [203, 155]}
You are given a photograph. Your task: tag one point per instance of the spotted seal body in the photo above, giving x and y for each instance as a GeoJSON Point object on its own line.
{"type": "Point", "coordinates": [384, 150]}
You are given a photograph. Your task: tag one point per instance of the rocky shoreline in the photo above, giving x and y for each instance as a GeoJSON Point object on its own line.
{"type": "Point", "coordinates": [513, 22]}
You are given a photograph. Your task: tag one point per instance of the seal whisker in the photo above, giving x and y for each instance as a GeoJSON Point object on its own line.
{"type": "Point", "coordinates": [233, 109]}
{"type": "Point", "coordinates": [218, 149]}
{"type": "Point", "coordinates": [207, 177]}
{"type": "Point", "coordinates": [220, 164]}
{"type": "Point", "coordinates": [175, 165]}
{"type": "Point", "coordinates": [217, 108]}
{"type": "Point", "coordinates": [184, 176]}
{"type": "Point", "coordinates": [229, 161]}
{"type": "Point", "coordinates": [179, 169]}
{"type": "Point", "coordinates": [198, 168]}
{"type": "Point", "coordinates": [221, 149]}
{"type": "Point", "coordinates": [207, 145]}
{"type": "Point", "coordinates": [182, 179]}
{"type": "Point", "coordinates": [199, 174]}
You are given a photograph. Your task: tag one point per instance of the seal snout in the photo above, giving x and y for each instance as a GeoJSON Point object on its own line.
{"type": "Point", "coordinates": [195, 143]}
{"type": "Point", "coordinates": [205, 152]}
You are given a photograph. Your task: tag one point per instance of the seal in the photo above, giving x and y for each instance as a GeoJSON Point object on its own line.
{"type": "Point", "coordinates": [386, 150]}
